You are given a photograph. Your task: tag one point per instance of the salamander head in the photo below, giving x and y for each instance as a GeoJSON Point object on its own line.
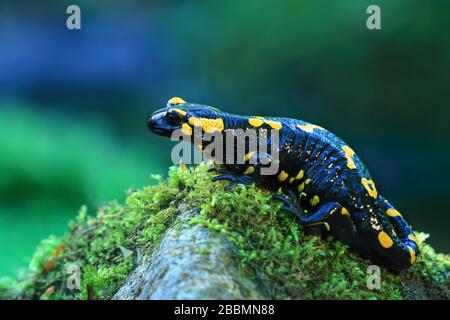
{"type": "Point", "coordinates": [180, 115]}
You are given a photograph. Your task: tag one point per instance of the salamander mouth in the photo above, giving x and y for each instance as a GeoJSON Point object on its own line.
{"type": "Point", "coordinates": [157, 130]}
{"type": "Point", "coordinates": [161, 131]}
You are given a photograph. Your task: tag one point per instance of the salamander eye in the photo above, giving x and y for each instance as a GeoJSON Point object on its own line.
{"type": "Point", "coordinates": [172, 117]}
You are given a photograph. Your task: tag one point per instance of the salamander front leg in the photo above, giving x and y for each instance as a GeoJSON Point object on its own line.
{"type": "Point", "coordinates": [290, 204]}
{"type": "Point", "coordinates": [233, 177]}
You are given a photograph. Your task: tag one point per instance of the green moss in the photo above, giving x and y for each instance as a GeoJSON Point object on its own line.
{"type": "Point", "coordinates": [290, 263]}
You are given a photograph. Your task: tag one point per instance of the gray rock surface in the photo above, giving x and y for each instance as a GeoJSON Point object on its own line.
{"type": "Point", "coordinates": [190, 263]}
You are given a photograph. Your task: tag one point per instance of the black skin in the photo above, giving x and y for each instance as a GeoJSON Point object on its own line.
{"type": "Point", "coordinates": [327, 186]}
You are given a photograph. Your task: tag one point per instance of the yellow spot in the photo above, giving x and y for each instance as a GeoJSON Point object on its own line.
{"type": "Point", "coordinates": [248, 155]}
{"type": "Point", "coordinates": [309, 127]}
{"type": "Point", "coordinates": [208, 125]}
{"type": "Point", "coordinates": [385, 240]}
{"type": "Point", "coordinates": [412, 237]}
{"type": "Point", "coordinates": [282, 176]}
{"type": "Point", "coordinates": [349, 153]}
{"type": "Point", "coordinates": [249, 170]}
{"type": "Point", "coordinates": [186, 129]}
{"type": "Point", "coordinates": [199, 147]}
{"type": "Point", "coordinates": [179, 111]}
{"type": "Point", "coordinates": [255, 122]}
{"type": "Point", "coordinates": [301, 187]}
{"type": "Point", "coordinates": [291, 180]}
{"type": "Point", "coordinates": [274, 124]}
{"type": "Point", "coordinates": [412, 254]}
{"type": "Point", "coordinates": [259, 121]}
{"type": "Point", "coordinates": [392, 212]}
{"type": "Point", "coordinates": [300, 175]}
{"type": "Point", "coordinates": [314, 200]}
{"type": "Point", "coordinates": [345, 212]}
{"type": "Point", "coordinates": [197, 122]}
{"type": "Point", "coordinates": [174, 101]}
{"type": "Point", "coordinates": [307, 181]}
{"type": "Point", "coordinates": [370, 187]}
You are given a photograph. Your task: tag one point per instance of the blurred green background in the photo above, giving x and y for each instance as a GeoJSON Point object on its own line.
{"type": "Point", "coordinates": [73, 104]}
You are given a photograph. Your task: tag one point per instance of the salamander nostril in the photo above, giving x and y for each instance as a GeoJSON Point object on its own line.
{"type": "Point", "coordinates": [150, 123]}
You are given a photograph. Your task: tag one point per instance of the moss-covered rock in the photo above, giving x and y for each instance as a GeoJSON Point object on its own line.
{"type": "Point", "coordinates": [268, 247]}
{"type": "Point", "coordinates": [192, 262]}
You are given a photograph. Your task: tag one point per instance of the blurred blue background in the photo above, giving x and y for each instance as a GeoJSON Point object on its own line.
{"type": "Point", "coordinates": [73, 104]}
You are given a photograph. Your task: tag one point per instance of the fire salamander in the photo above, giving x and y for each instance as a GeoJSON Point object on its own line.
{"type": "Point", "coordinates": [326, 184]}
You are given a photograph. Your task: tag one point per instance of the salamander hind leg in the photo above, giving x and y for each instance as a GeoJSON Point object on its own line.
{"type": "Point", "coordinates": [383, 242]}
{"type": "Point", "coordinates": [290, 204]}
{"type": "Point", "coordinates": [335, 220]}
{"type": "Point", "coordinates": [402, 232]}
{"type": "Point", "coordinates": [330, 218]}
{"type": "Point", "coordinates": [233, 177]}
{"type": "Point", "coordinates": [401, 227]}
